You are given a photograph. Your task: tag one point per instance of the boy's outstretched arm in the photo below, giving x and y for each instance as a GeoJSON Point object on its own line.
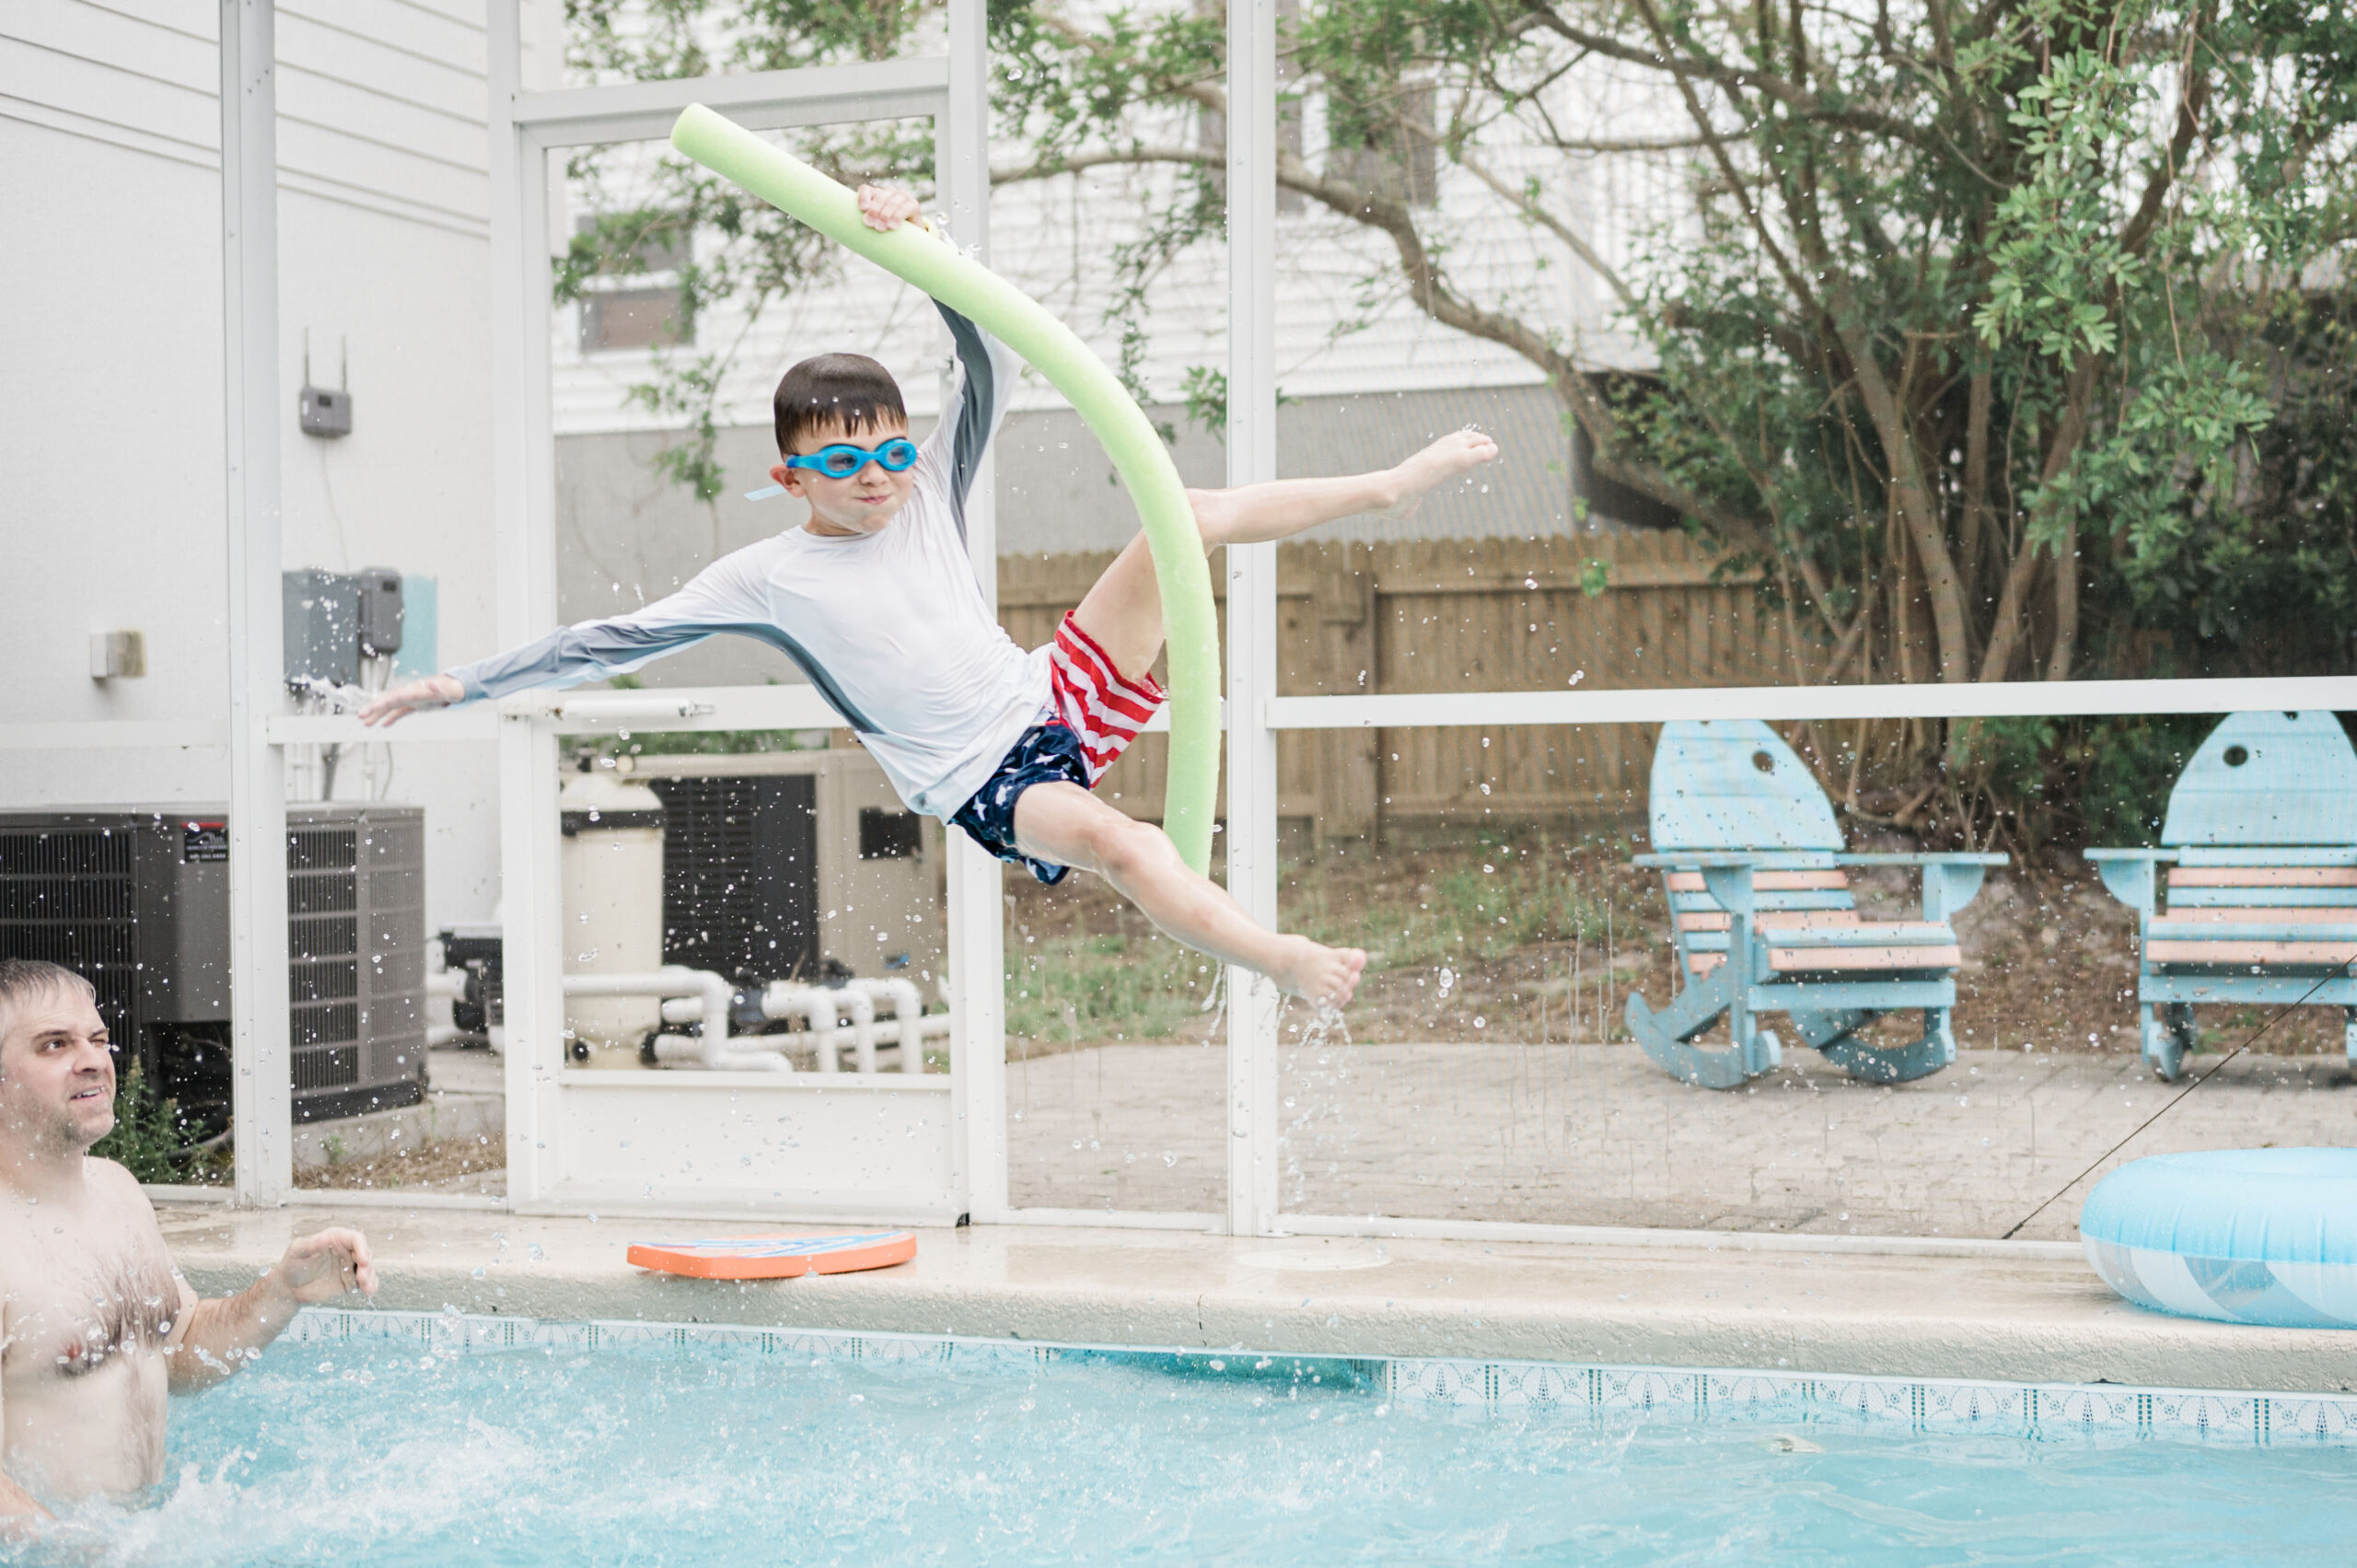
{"type": "Point", "coordinates": [719, 599]}
{"type": "Point", "coordinates": [1065, 824]}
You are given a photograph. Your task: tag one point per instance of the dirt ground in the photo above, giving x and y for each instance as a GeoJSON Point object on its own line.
{"type": "Point", "coordinates": [447, 1167]}
{"type": "Point", "coordinates": [2050, 957]}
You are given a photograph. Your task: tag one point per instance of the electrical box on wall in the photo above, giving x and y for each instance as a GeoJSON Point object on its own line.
{"type": "Point", "coordinates": [116, 655]}
{"type": "Point", "coordinates": [334, 619]}
{"type": "Point", "coordinates": [381, 610]}
{"type": "Point", "coordinates": [326, 411]}
{"type": "Point", "coordinates": [322, 626]}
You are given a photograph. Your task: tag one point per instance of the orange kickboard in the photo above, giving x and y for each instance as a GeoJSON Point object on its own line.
{"type": "Point", "coordinates": [776, 1257]}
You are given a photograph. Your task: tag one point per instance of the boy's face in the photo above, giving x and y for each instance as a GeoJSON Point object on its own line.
{"type": "Point", "coordinates": [859, 505]}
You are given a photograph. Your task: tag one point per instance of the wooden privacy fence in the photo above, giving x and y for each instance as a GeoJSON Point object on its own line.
{"type": "Point", "coordinates": [1464, 615]}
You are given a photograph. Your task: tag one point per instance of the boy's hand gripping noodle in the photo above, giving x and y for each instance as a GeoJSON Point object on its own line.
{"type": "Point", "coordinates": [973, 290]}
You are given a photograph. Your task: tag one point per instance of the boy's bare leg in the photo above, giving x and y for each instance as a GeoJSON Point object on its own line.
{"type": "Point", "coordinates": [1065, 824]}
{"type": "Point", "coordinates": [1122, 614]}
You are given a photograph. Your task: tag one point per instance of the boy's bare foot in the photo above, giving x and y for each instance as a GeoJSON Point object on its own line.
{"type": "Point", "coordinates": [1452, 455]}
{"type": "Point", "coordinates": [1318, 973]}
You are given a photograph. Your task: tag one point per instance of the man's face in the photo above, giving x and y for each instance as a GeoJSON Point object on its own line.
{"type": "Point", "coordinates": [56, 1074]}
{"type": "Point", "coordinates": [859, 504]}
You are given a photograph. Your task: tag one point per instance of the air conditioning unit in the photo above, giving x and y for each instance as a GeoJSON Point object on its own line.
{"type": "Point", "coordinates": [795, 866]}
{"type": "Point", "coordinates": [138, 900]}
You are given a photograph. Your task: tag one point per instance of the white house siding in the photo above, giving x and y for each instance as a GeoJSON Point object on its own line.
{"type": "Point", "coordinates": [110, 386]}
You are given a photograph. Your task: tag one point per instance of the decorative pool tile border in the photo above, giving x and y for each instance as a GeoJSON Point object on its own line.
{"type": "Point", "coordinates": [1926, 1405]}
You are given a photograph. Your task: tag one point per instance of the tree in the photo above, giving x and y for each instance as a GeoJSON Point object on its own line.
{"type": "Point", "coordinates": [1992, 329]}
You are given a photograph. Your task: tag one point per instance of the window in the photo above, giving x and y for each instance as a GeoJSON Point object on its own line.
{"type": "Point", "coordinates": [630, 318]}
{"type": "Point", "coordinates": [1386, 146]}
{"type": "Point", "coordinates": [630, 295]}
{"type": "Point", "coordinates": [889, 835]}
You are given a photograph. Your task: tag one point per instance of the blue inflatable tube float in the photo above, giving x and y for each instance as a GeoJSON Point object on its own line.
{"type": "Point", "coordinates": [2236, 1235]}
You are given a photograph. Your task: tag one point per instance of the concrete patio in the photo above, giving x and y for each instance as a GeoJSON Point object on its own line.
{"type": "Point", "coordinates": [1597, 1135]}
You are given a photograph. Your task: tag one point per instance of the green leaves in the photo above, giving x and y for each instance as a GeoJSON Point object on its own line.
{"type": "Point", "coordinates": [2059, 265]}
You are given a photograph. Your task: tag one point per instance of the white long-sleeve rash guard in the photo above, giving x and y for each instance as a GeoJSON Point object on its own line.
{"type": "Point", "coordinates": [891, 627]}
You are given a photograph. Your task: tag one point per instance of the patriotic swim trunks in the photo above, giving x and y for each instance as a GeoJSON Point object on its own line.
{"type": "Point", "coordinates": [1093, 712]}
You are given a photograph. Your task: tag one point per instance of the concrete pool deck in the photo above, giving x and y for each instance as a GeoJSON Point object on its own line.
{"type": "Point", "coordinates": [2027, 1313]}
{"type": "Point", "coordinates": [1598, 1135]}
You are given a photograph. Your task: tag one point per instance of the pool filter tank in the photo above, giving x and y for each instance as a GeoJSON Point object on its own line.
{"type": "Point", "coordinates": [612, 869]}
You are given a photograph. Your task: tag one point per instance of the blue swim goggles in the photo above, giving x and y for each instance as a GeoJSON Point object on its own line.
{"type": "Point", "coordinates": [843, 460]}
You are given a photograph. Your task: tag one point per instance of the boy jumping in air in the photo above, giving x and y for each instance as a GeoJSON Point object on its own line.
{"type": "Point", "coordinates": [875, 598]}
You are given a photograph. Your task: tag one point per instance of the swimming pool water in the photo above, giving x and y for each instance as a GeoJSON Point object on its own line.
{"type": "Point", "coordinates": [384, 1451]}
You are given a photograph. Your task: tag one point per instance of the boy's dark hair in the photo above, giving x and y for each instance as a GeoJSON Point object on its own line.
{"type": "Point", "coordinates": [846, 391]}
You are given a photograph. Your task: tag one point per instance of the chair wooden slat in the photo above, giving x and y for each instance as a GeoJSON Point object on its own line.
{"type": "Point", "coordinates": [2273, 914]}
{"type": "Point", "coordinates": [1766, 881]}
{"type": "Point", "coordinates": [2301, 953]}
{"type": "Point", "coordinates": [2263, 876]}
{"type": "Point", "coordinates": [2183, 899]}
{"type": "Point", "coordinates": [1786, 960]}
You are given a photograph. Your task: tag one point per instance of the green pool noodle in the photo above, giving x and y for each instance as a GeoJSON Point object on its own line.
{"type": "Point", "coordinates": [1189, 621]}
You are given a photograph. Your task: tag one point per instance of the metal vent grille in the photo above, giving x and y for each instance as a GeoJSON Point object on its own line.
{"type": "Point", "coordinates": [323, 1022]}
{"type": "Point", "coordinates": [391, 971]}
{"type": "Point", "coordinates": [740, 880]}
{"type": "Point", "coordinates": [66, 895]}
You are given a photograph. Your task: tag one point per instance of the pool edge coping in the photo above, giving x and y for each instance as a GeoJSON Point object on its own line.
{"type": "Point", "coordinates": [1927, 1405]}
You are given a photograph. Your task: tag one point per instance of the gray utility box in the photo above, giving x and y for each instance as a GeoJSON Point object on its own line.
{"type": "Point", "coordinates": [137, 902]}
{"type": "Point", "coordinates": [334, 619]}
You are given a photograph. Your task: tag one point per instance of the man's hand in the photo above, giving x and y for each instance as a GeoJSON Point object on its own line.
{"type": "Point", "coordinates": [434, 692]}
{"type": "Point", "coordinates": [885, 209]}
{"type": "Point", "coordinates": [217, 1337]}
{"type": "Point", "coordinates": [322, 1267]}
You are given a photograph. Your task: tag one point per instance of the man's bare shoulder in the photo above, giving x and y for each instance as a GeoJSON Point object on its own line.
{"type": "Point", "coordinates": [117, 1191]}
{"type": "Point", "coordinates": [112, 1177]}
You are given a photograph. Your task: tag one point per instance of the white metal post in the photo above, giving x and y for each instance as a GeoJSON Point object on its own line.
{"type": "Point", "coordinates": [525, 553]}
{"type": "Point", "coordinates": [977, 916]}
{"type": "Point", "coordinates": [262, 1093]}
{"type": "Point", "coordinates": [1253, 1002]}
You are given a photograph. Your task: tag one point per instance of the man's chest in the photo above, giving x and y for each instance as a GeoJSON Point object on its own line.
{"type": "Point", "coordinates": [78, 1296]}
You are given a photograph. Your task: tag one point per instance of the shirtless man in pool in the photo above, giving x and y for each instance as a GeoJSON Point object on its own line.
{"type": "Point", "coordinates": [96, 1325]}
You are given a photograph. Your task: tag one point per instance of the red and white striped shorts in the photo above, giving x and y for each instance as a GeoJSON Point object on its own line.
{"type": "Point", "coordinates": [1105, 708]}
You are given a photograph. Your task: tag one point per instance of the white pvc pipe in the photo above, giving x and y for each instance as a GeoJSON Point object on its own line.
{"type": "Point", "coordinates": [710, 990]}
{"type": "Point", "coordinates": [856, 1000]}
{"type": "Point", "coordinates": [824, 1010]}
{"type": "Point", "coordinates": [816, 1005]}
{"type": "Point", "coordinates": [683, 1051]}
{"type": "Point", "coordinates": [907, 1003]}
{"type": "Point", "coordinates": [908, 1006]}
